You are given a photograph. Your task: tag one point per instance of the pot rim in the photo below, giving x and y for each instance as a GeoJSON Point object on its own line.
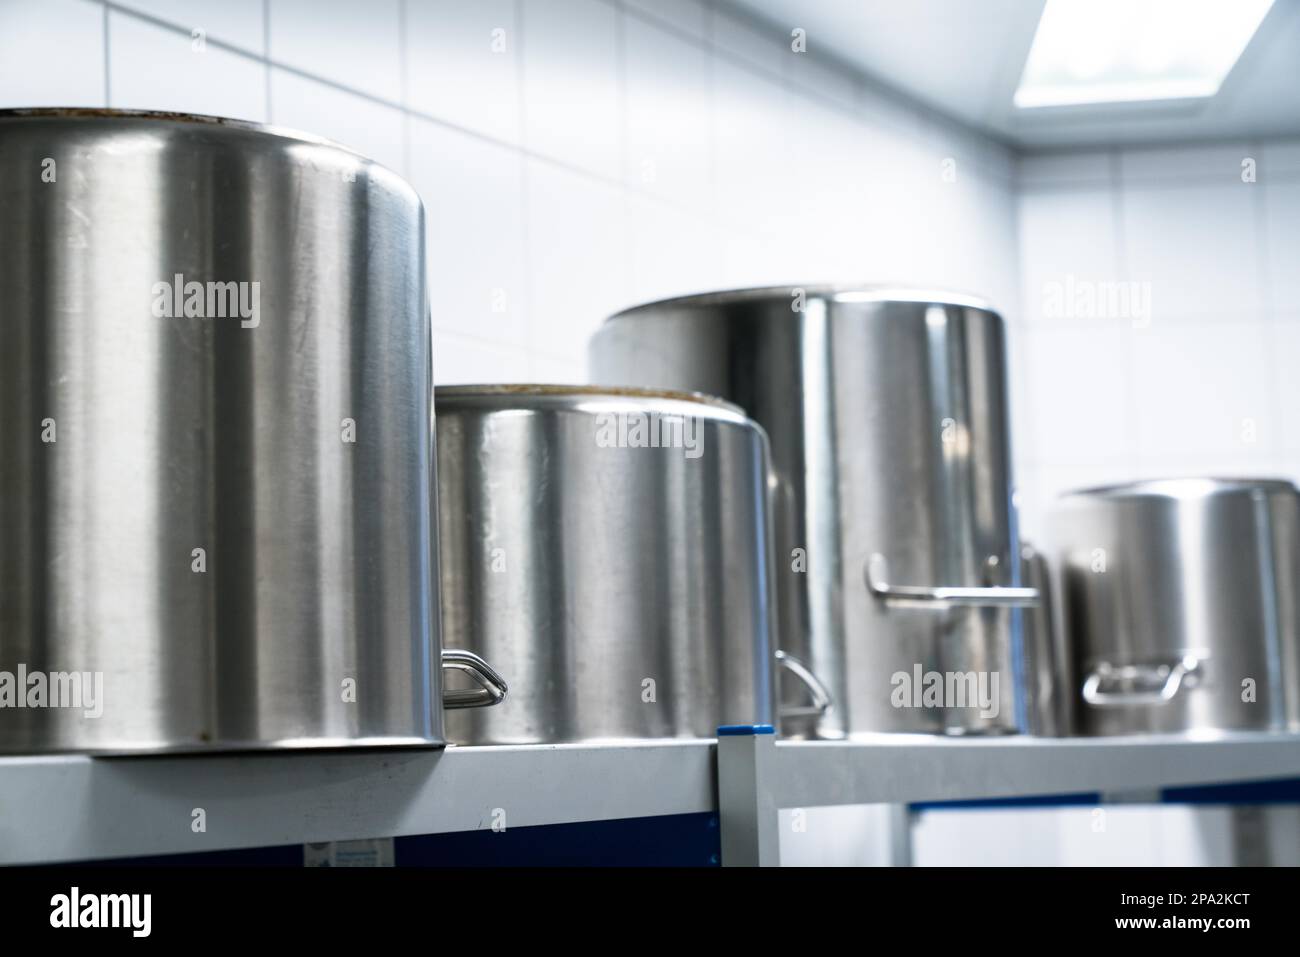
{"type": "Point", "coordinates": [501, 392]}
{"type": "Point", "coordinates": [178, 118]}
{"type": "Point", "coordinates": [1182, 487]}
{"type": "Point", "coordinates": [840, 292]}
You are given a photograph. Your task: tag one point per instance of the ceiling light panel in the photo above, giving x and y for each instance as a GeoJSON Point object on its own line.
{"type": "Point", "coordinates": [1120, 51]}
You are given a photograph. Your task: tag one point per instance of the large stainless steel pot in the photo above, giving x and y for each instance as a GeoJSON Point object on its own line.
{"type": "Point", "coordinates": [1180, 604]}
{"type": "Point", "coordinates": [887, 414]}
{"type": "Point", "coordinates": [624, 587]}
{"type": "Point", "coordinates": [1045, 683]}
{"type": "Point", "coordinates": [217, 443]}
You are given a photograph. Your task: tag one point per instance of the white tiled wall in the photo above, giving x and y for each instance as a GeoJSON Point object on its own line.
{"type": "Point", "coordinates": [576, 156]}
{"type": "Point", "coordinates": [1208, 384]}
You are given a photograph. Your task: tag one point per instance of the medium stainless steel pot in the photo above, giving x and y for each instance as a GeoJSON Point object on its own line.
{"type": "Point", "coordinates": [217, 443]}
{"type": "Point", "coordinates": [895, 545]}
{"type": "Point", "coordinates": [608, 549]}
{"type": "Point", "coordinates": [1180, 604]}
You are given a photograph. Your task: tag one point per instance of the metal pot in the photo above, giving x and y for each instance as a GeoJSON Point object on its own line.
{"type": "Point", "coordinates": [624, 586]}
{"type": "Point", "coordinates": [1180, 604]}
{"type": "Point", "coordinates": [1045, 681]}
{"type": "Point", "coordinates": [887, 414]}
{"type": "Point", "coordinates": [218, 452]}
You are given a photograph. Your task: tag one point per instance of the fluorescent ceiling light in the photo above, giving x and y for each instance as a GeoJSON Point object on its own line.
{"type": "Point", "coordinates": [1119, 51]}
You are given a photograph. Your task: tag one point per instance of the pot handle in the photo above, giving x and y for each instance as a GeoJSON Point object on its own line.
{"type": "Point", "coordinates": [1160, 683]}
{"type": "Point", "coordinates": [491, 688]}
{"type": "Point", "coordinates": [944, 596]}
{"type": "Point", "coordinates": [821, 696]}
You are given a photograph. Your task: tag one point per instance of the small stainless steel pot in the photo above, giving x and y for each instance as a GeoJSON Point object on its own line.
{"type": "Point", "coordinates": [1180, 604]}
{"type": "Point", "coordinates": [216, 450]}
{"type": "Point", "coordinates": [608, 550]}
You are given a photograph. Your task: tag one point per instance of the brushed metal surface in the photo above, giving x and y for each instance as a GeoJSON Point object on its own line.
{"type": "Point", "coordinates": [624, 592]}
{"type": "Point", "coordinates": [222, 433]}
{"type": "Point", "coordinates": [887, 415]}
{"type": "Point", "coordinates": [1047, 681]}
{"type": "Point", "coordinates": [1178, 598]}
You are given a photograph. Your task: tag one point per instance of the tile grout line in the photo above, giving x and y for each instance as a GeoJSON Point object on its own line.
{"type": "Point", "coordinates": [628, 256]}
{"type": "Point", "coordinates": [108, 73]}
{"type": "Point", "coordinates": [1132, 440]}
{"type": "Point", "coordinates": [266, 54]}
{"type": "Point", "coordinates": [525, 180]}
{"type": "Point", "coordinates": [982, 169]}
{"type": "Point", "coordinates": [426, 117]}
{"type": "Point", "coordinates": [1263, 276]}
{"type": "Point", "coordinates": [404, 86]}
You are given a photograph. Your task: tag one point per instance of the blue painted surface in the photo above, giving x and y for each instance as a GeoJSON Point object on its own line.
{"type": "Point", "coordinates": [1085, 798]}
{"type": "Point", "coordinates": [744, 730]}
{"type": "Point", "coordinates": [675, 840]}
{"type": "Point", "coordinates": [1281, 791]}
{"type": "Point", "coordinates": [679, 840]}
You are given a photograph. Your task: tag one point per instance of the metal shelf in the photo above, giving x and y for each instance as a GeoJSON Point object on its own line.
{"type": "Point", "coordinates": [758, 775]}
{"type": "Point", "coordinates": [65, 808]}
{"type": "Point", "coordinates": [917, 768]}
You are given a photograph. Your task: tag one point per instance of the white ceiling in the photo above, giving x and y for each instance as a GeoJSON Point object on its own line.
{"type": "Point", "coordinates": [964, 58]}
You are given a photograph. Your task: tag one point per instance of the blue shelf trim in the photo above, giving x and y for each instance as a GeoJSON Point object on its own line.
{"type": "Point", "coordinates": [1280, 791]}
{"type": "Point", "coordinates": [744, 730]}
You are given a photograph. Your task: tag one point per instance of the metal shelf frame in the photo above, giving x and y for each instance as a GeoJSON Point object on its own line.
{"type": "Point", "coordinates": [74, 807]}
{"type": "Point", "coordinates": [759, 774]}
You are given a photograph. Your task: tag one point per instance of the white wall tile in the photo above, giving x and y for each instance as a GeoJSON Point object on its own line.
{"type": "Point", "coordinates": [763, 46]}
{"type": "Point", "coordinates": [1201, 392]}
{"type": "Point", "coordinates": [237, 22]}
{"type": "Point", "coordinates": [571, 84]}
{"type": "Point", "coordinates": [671, 252]}
{"type": "Point", "coordinates": [1282, 245]}
{"type": "Point", "coordinates": [544, 369]}
{"type": "Point", "coordinates": [970, 155]}
{"type": "Point", "coordinates": [689, 16]}
{"type": "Point", "coordinates": [1082, 394]}
{"type": "Point", "coordinates": [1285, 348]}
{"type": "Point", "coordinates": [1067, 239]}
{"type": "Point", "coordinates": [749, 260]}
{"type": "Point", "coordinates": [825, 80]}
{"type": "Point", "coordinates": [750, 146]}
{"type": "Point", "coordinates": [478, 282]}
{"type": "Point", "coordinates": [879, 109]}
{"type": "Point", "coordinates": [461, 360]}
{"type": "Point", "coordinates": [51, 54]}
{"type": "Point", "coordinates": [462, 61]}
{"type": "Point", "coordinates": [156, 68]}
{"type": "Point", "coordinates": [373, 130]}
{"type": "Point", "coordinates": [355, 44]}
{"type": "Point", "coordinates": [668, 116]}
{"type": "Point", "coordinates": [1197, 246]}
{"type": "Point", "coordinates": [1081, 168]}
{"type": "Point", "coordinates": [1281, 158]}
{"type": "Point", "coordinates": [1220, 162]}
{"type": "Point", "coordinates": [578, 275]}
